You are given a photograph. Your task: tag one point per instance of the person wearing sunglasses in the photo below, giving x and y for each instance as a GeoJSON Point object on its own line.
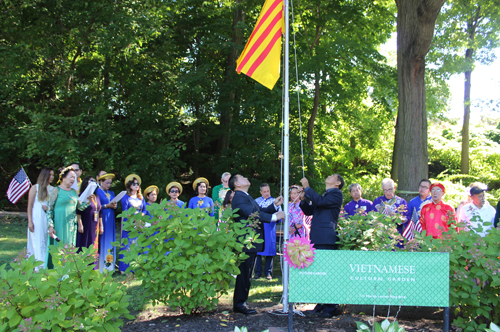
{"type": "Point", "coordinates": [107, 252]}
{"type": "Point", "coordinates": [133, 199]}
{"type": "Point", "coordinates": [174, 190]}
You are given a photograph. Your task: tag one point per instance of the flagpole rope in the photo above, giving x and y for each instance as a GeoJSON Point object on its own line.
{"type": "Point", "coordinates": [298, 90]}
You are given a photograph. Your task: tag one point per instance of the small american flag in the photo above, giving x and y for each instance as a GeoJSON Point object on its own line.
{"type": "Point", "coordinates": [19, 185]}
{"type": "Point", "coordinates": [307, 220]}
{"type": "Point", "coordinates": [412, 226]}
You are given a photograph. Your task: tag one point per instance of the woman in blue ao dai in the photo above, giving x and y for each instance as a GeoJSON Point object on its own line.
{"type": "Point", "coordinates": [107, 252]}
{"type": "Point", "coordinates": [201, 200]}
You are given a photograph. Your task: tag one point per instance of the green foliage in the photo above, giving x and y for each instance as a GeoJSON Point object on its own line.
{"type": "Point", "coordinates": [445, 141]}
{"type": "Point", "coordinates": [152, 89]}
{"type": "Point", "coordinates": [385, 326]}
{"type": "Point", "coordinates": [182, 259]}
{"type": "Point", "coordinates": [465, 25]}
{"type": "Point", "coordinates": [474, 275]}
{"type": "Point", "coordinates": [374, 232]}
{"type": "Point", "coordinates": [72, 296]}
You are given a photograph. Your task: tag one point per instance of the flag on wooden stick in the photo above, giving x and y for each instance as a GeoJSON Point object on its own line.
{"type": "Point", "coordinates": [19, 185]}
{"type": "Point", "coordinates": [262, 54]}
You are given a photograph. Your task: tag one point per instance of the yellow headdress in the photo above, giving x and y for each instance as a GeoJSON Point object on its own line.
{"type": "Point", "coordinates": [64, 170]}
{"type": "Point", "coordinates": [151, 189]}
{"type": "Point", "coordinates": [198, 180]}
{"type": "Point", "coordinates": [106, 176]}
{"type": "Point", "coordinates": [174, 184]}
{"type": "Point", "coordinates": [131, 177]}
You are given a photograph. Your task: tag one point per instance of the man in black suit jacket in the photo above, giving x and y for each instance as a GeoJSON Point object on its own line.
{"type": "Point", "coordinates": [247, 206]}
{"type": "Point", "coordinates": [325, 210]}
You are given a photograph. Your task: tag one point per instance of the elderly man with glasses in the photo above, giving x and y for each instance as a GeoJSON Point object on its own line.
{"type": "Point", "coordinates": [219, 192]}
{"type": "Point", "coordinates": [391, 204]}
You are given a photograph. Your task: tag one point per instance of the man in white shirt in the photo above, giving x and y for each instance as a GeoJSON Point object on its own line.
{"type": "Point", "coordinates": [479, 212]}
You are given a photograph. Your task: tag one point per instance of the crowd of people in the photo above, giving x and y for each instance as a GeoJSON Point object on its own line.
{"type": "Point", "coordinates": [428, 211]}
{"type": "Point", "coordinates": [57, 216]}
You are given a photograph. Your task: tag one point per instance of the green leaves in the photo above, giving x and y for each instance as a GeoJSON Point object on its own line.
{"type": "Point", "coordinates": [474, 273]}
{"type": "Point", "coordinates": [61, 299]}
{"type": "Point", "coordinates": [191, 257]}
{"type": "Point", "coordinates": [385, 326]}
{"type": "Point", "coordinates": [376, 231]}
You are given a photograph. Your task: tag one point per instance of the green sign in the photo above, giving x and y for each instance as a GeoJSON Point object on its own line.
{"type": "Point", "coordinates": [371, 277]}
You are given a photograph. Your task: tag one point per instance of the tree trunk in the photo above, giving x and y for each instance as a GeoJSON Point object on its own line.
{"type": "Point", "coordinates": [228, 93]}
{"type": "Point", "coordinates": [415, 28]}
{"type": "Point", "coordinates": [464, 164]}
{"type": "Point", "coordinates": [471, 31]}
{"type": "Point", "coordinates": [352, 145]}
{"type": "Point", "coordinates": [395, 154]}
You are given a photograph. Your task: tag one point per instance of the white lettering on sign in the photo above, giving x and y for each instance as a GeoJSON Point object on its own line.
{"type": "Point", "coordinates": [372, 268]}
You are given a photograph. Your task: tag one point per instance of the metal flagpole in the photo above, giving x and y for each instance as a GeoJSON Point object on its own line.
{"type": "Point", "coordinates": [286, 82]}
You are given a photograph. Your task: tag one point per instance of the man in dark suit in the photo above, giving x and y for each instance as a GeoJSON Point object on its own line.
{"type": "Point", "coordinates": [247, 206]}
{"type": "Point", "coordinates": [325, 210]}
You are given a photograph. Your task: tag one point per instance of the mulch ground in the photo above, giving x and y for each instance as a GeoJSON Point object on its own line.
{"type": "Point", "coordinates": [223, 319]}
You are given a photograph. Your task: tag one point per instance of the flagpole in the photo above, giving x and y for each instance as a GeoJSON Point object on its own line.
{"type": "Point", "coordinates": [286, 144]}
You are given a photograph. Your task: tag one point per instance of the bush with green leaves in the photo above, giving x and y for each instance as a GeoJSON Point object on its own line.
{"type": "Point", "coordinates": [374, 232]}
{"type": "Point", "coordinates": [474, 275]}
{"type": "Point", "coordinates": [72, 296]}
{"type": "Point", "coordinates": [185, 259]}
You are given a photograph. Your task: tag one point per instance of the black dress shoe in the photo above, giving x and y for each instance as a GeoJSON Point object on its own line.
{"type": "Point", "coordinates": [324, 315]}
{"type": "Point", "coordinates": [256, 277]}
{"type": "Point", "coordinates": [311, 313]}
{"type": "Point", "coordinates": [336, 312]}
{"type": "Point", "coordinates": [244, 310]}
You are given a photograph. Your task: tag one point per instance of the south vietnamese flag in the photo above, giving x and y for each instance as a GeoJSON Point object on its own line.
{"type": "Point", "coordinates": [262, 54]}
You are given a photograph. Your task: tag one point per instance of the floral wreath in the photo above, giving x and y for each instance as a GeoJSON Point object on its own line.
{"type": "Point", "coordinates": [64, 170]}
{"type": "Point", "coordinates": [299, 252]}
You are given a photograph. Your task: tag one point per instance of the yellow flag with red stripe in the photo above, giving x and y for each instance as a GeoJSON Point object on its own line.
{"type": "Point", "coordinates": [262, 54]}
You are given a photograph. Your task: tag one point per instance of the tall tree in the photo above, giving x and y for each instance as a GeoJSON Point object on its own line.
{"type": "Point", "coordinates": [467, 32]}
{"type": "Point", "coordinates": [415, 29]}
{"type": "Point", "coordinates": [340, 61]}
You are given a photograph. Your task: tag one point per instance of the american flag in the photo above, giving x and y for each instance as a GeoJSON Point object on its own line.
{"type": "Point", "coordinates": [19, 185]}
{"type": "Point", "coordinates": [412, 226]}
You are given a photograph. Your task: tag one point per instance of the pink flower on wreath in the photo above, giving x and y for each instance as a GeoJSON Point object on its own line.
{"type": "Point", "coordinates": [299, 252]}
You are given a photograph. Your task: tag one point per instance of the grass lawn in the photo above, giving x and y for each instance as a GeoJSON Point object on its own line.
{"type": "Point", "coordinates": [13, 239]}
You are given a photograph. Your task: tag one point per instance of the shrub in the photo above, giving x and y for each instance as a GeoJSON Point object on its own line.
{"type": "Point", "coordinates": [474, 275]}
{"type": "Point", "coordinates": [72, 296]}
{"type": "Point", "coordinates": [375, 231]}
{"type": "Point", "coordinates": [183, 260]}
